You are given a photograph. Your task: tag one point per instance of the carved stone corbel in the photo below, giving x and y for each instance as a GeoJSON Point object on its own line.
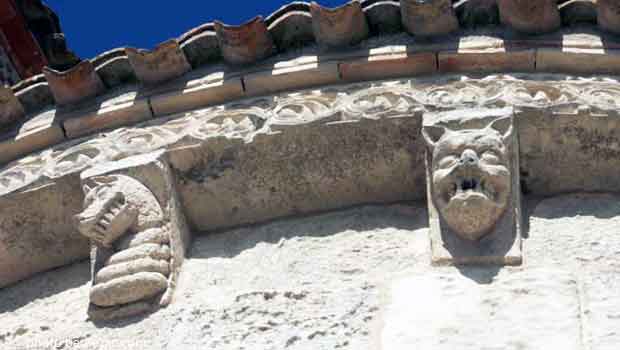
{"type": "Point", "coordinates": [138, 234]}
{"type": "Point", "coordinates": [473, 187]}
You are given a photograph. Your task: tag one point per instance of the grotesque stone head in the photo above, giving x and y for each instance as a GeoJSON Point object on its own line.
{"type": "Point", "coordinates": [469, 175]}
{"type": "Point", "coordinates": [114, 205]}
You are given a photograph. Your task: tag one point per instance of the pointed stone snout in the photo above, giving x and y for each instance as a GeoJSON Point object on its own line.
{"type": "Point", "coordinates": [469, 157]}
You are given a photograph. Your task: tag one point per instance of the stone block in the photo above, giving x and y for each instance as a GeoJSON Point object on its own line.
{"type": "Point", "coordinates": [340, 27]}
{"type": "Point", "coordinates": [389, 65]}
{"type": "Point", "coordinates": [166, 62]}
{"type": "Point", "coordinates": [145, 186]}
{"type": "Point", "coordinates": [468, 310]}
{"type": "Point", "coordinates": [74, 85]}
{"type": "Point", "coordinates": [530, 17]}
{"type": "Point", "coordinates": [427, 18]}
{"type": "Point", "coordinates": [245, 44]}
{"type": "Point", "coordinates": [31, 135]}
{"type": "Point", "coordinates": [608, 15]}
{"type": "Point", "coordinates": [318, 163]}
{"type": "Point", "coordinates": [307, 73]}
{"type": "Point", "coordinates": [474, 194]}
{"type": "Point", "coordinates": [211, 89]}
{"type": "Point", "coordinates": [571, 60]}
{"type": "Point", "coordinates": [487, 60]}
{"type": "Point", "coordinates": [36, 230]}
{"type": "Point", "coordinates": [551, 165]}
{"type": "Point", "coordinates": [110, 112]}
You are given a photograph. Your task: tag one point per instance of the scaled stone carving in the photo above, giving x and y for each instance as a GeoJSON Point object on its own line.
{"type": "Point", "coordinates": [133, 246]}
{"type": "Point", "coordinates": [125, 221]}
{"type": "Point", "coordinates": [473, 187]}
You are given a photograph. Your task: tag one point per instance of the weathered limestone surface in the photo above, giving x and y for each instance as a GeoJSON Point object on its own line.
{"type": "Point", "coordinates": [323, 282]}
{"type": "Point", "coordinates": [300, 169]}
{"type": "Point", "coordinates": [567, 131]}
{"type": "Point", "coordinates": [602, 309]}
{"type": "Point", "coordinates": [452, 311]}
{"type": "Point", "coordinates": [36, 230]}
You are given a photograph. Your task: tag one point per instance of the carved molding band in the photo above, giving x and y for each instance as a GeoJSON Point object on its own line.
{"type": "Point", "coordinates": [246, 119]}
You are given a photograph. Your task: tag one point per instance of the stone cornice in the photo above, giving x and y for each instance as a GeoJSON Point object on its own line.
{"type": "Point", "coordinates": [384, 57]}
{"type": "Point", "coordinates": [294, 31]}
{"type": "Point", "coordinates": [246, 119]}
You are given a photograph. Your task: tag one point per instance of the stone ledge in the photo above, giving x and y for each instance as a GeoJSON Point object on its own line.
{"type": "Point", "coordinates": [308, 73]}
{"type": "Point", "coordinates": [487, 61]}
{"type": "Point", "coordinates": [389, 65]}
{"type": "Point", "coordinates": [213, 89]}
{"type": "Point", "coordinates": [209, 86]}
{"type": "Point", "coordinates": [578, 61]}
{"type": "Point", "coordinates": [123, 109]}
{"type": "Point", "coordinates": [34, 134]}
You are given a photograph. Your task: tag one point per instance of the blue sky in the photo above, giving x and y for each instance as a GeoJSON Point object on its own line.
{"type": "Point", "coordinates": [94, 26]}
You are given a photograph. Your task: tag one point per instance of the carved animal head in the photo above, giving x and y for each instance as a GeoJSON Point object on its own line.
{"type": "Point", "coordinates": [470, 176]}
{"type": "Point", "coordinates": [106, 215]}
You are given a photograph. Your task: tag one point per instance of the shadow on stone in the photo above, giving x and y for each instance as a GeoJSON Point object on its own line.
{"type": "Point", "coordinates": [363, 218]}
{"type": "Point", "coordinates": [44, 285]}
{"type": "Point", "coordinates": [480, 275]}
{"type": "Point", "coordinates": [599, 205]}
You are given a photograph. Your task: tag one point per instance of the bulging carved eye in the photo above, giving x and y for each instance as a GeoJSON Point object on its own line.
{"type": "Point", "coordinates": [491, 157]}
{"type": "Point", "coordinates": [446, 162]}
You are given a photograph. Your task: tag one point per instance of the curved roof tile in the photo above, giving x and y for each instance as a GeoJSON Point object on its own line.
{"type": "Point", "coordinates": [296, 25]}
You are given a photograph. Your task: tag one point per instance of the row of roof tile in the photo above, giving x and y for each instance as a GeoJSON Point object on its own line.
{"type": "Point", "coordinates": [292, 26]}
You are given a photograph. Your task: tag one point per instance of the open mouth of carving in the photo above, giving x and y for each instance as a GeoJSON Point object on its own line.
{"type": "Point", "coordinates": [107, 218]}
{"type": "Point", "coordinates": [467, 186]}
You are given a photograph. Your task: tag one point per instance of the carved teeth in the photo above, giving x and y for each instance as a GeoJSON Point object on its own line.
{"type": "Point", "coordinates": [468, 184]}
